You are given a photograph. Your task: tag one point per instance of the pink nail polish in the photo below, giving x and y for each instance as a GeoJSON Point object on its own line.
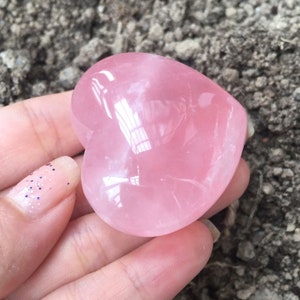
{"type": "Point", "coordinates": [45, 187]}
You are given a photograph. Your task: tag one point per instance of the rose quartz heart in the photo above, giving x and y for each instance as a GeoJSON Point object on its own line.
{"type": "Point", "coordinates": [162, 142]}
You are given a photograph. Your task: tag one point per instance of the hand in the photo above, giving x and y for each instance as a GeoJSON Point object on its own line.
{"type": "Point", "coordinates": [52, 244]}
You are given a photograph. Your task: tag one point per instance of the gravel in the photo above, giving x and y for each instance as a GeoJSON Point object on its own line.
{"type": "Point", "coordinates": [251, 48]}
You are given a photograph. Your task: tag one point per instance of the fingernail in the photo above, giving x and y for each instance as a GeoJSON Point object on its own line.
{"type": "Point", "coordinates": [45, 187]}
{"type": "Point", "coordinates": [215, 233]}
{"type": "Point", "coordinates": [251, 129]}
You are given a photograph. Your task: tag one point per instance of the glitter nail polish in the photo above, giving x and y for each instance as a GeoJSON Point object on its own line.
{"type": "Point", "coordinates": [45, 187]}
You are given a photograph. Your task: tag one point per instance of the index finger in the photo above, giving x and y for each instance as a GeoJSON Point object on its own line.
{"type": "Point", "coordinates": [34, 132]}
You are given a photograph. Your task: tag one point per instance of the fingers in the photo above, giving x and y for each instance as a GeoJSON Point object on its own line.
{"type": "Point", "coordinates": [32, 217]}
{"type": "Point", "coordinates": [34, 132]}
{"type": "Point", "coordinates": [173, 260]}
{"type": "Point", "coordinates": [87, 245]}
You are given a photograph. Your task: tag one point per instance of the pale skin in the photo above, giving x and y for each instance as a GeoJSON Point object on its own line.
{"type": "Point", "coordinates": [68, 252]}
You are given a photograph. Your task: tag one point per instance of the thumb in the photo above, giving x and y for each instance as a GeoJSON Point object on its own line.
{"type": "Point", "coordinates": [33, 215]}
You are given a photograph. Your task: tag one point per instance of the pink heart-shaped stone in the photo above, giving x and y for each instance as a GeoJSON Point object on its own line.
{"type": "Point", "coordinates": [162, 142]}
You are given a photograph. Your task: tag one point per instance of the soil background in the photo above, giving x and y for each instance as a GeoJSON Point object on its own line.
{"type": "Point", "coordinates": [251, 48]}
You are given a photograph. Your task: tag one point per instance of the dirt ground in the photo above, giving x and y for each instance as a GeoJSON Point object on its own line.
{"type": "Point", "coordinates": [251, 48]}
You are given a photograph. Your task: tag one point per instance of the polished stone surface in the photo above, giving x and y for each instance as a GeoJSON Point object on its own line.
{"type": "Point", "coordinates": [162, 141]}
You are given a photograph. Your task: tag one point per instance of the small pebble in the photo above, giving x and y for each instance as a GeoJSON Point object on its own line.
{"type": "Point", "coordinates": [265, 294]}
{"type": "Point", "coordinates": [276, 155]}
{"type": "Point", "coordinates": [296, 237]}
{"type": "Point", "coordinates": [290, 227]}
{"type": "Point", "coordinates": [245, 251]}
{"type": "Point", "coordinates": [261, 82]}
{"type": "Point", "coordinates": [3, 3]}
{"type": "Point", "coordinates": [287, 173]}
{"type": "Point", "coordinates": [230, 12]}
{"type": "Point", "coordinates": [177, 10]}
{"type": "Point", "coordinates": [296, 94]}
{"type": "Point", "coordinates": [187, 48]}
{"type": "Point", "coordinates": [156, 32]}
{"type": "Point", "coordinates": [245, 293]}
{"type": "Point", "coordinates": [277, 171]}
{"type": "Point", "coordinates": [290, 296]}
{"type": "Point", "coordinates": [69, 76]}
{"type": "Point", "coordinates": [268, 189]}
{"type": "Point", "coordinates": [16, 59]}
{"type": "Point", "coordinates": [230, 75]}
{"type": "Point", "coordinates": [90, 53]}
